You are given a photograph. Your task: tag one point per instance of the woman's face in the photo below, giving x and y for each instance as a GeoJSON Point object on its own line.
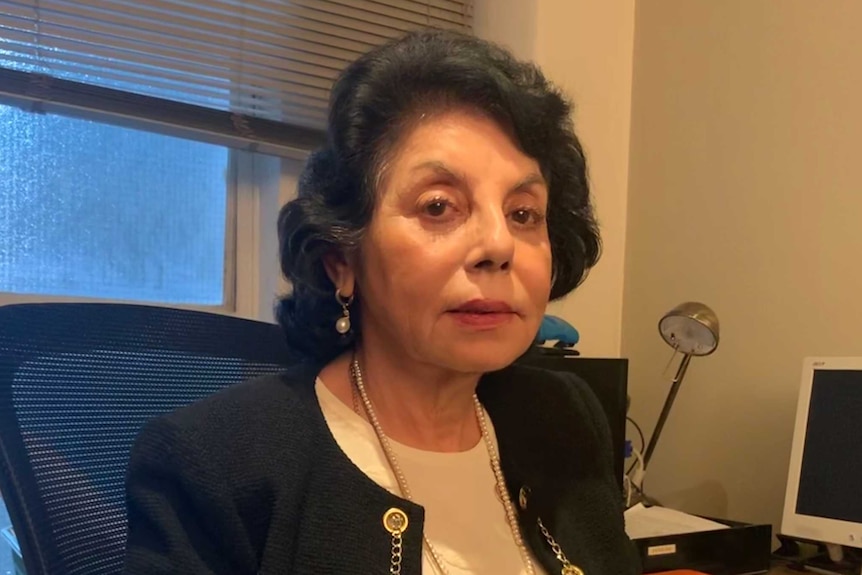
{"type": "Point", "coordinates": [455, 270]}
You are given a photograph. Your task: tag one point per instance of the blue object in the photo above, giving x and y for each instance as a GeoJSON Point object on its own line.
{"type": "Point", "coordinates": [555, 328]}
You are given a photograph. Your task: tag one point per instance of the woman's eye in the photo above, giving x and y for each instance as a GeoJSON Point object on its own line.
{"type": "Point", "coordinates": [527, 216]}
{"type": "Point", "coordinates": [436, 208]}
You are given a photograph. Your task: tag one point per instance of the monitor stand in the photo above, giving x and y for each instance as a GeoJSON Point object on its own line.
{"type": "Point", "coordinates": [837, 560]}
{"type": "Point", "coordinates": [835, 551]}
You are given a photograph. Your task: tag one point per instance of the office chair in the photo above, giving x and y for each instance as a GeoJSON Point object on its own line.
{"type": "Point", "coordinates": [77, 382]}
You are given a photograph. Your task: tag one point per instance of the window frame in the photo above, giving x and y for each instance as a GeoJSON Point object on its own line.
{"type": "Point", "coordinates": [255, 187]}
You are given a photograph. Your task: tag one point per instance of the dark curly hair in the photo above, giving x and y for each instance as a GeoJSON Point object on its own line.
{"type": "Point", "coordinates": [373, 103]}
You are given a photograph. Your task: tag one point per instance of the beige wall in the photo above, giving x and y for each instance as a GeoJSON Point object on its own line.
{"type": "Point", "coordinates": [744, 192]}
{"type": "Point", "coordinates": [585, 46]}
{"type": "Point", "coordinates": [511, 23]}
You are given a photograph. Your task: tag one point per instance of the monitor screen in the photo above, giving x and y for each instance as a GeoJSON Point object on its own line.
{"type": "Point", "coordinates": [822, 502]}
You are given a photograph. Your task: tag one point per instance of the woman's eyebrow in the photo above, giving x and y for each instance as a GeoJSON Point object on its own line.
{"type": "Point", "coordinates": [438, 168]}
{"type": "Point", "coordinates": [442, 169]}
{"type": "Point", "coordinates": [530, 180]}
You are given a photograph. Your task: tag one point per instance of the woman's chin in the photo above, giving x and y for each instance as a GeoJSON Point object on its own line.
{"type": "Point", "coordinates": [482, 358]}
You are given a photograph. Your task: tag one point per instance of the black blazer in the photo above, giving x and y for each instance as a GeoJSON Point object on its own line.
{"type": "Point", "coordinates": [251, 481]}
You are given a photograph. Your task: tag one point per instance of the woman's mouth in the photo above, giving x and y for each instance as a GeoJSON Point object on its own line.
{"type": "Point", "coordinates": [483, 313]}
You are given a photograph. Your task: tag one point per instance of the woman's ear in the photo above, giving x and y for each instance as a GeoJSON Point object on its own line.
{"type": "Point", "coordinates": [340, 272]}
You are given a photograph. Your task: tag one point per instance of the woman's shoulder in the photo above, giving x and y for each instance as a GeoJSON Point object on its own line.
{"type": "Point", "coordinates": [271, 395]}
{"type": "Point", "coordinates": [244, 424]}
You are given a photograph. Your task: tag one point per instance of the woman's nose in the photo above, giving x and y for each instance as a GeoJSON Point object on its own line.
{"type": "Point", "coordinates": [495, 244]}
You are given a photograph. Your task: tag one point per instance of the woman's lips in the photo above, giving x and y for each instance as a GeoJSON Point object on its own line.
{"type": "Point", "coordinates": [482, 319]}
{"type": "Point", "coordinates": [484, 306]}
{"type": "Point", "coordinates": [483, 313]}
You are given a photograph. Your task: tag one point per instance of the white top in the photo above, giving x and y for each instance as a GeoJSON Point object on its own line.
{"type": "Point", "coordinates": [464, 519]}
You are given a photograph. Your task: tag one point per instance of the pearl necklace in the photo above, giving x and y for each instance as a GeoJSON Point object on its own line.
{"type": "Point", "coordinates": [503, 492]}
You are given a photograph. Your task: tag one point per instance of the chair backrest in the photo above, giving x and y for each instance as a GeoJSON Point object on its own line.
{"type": "Point", "coordinates": [77, 382]}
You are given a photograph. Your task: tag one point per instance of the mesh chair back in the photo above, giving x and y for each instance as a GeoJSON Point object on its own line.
{"type": "Point", "coordinates": [77, 382]}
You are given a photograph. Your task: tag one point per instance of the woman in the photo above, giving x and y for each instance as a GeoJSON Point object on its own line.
{"type": "Point", "coordinates": [449, 203]}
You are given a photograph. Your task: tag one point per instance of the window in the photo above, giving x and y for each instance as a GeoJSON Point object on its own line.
{"type": "Point", "coordinates": [100, 211]}
{"type": "Point", "coordinates": [96, 211]}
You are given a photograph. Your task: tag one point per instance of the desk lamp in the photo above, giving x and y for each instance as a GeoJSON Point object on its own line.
{"type": "Point", "coordinates": [690, 328]}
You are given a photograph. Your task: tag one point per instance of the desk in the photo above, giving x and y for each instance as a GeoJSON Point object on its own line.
{"type": "Point", "coordinates": [778, 570]}
{"type": "Point", "coordinates": [786, 571]}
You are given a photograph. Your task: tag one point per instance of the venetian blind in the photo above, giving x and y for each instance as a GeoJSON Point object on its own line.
{"type": "Point", "coordinates": [245, 73]}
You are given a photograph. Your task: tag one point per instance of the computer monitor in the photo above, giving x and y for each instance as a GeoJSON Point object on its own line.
{"type": "Point", "coordinates": [607, 378]}
{"type": "Point", "coordinates": [823, 501]}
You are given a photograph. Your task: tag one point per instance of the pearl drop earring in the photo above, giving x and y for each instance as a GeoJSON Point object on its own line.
{"type": "Point", "coordinates": [342, 325]}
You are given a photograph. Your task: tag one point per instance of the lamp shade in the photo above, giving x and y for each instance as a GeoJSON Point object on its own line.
{"type": "Point", "coordinates": [691, 328]}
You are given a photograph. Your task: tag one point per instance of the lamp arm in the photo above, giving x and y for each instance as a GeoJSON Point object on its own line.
{"type": "Point", "coordinates": [665, 411]}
